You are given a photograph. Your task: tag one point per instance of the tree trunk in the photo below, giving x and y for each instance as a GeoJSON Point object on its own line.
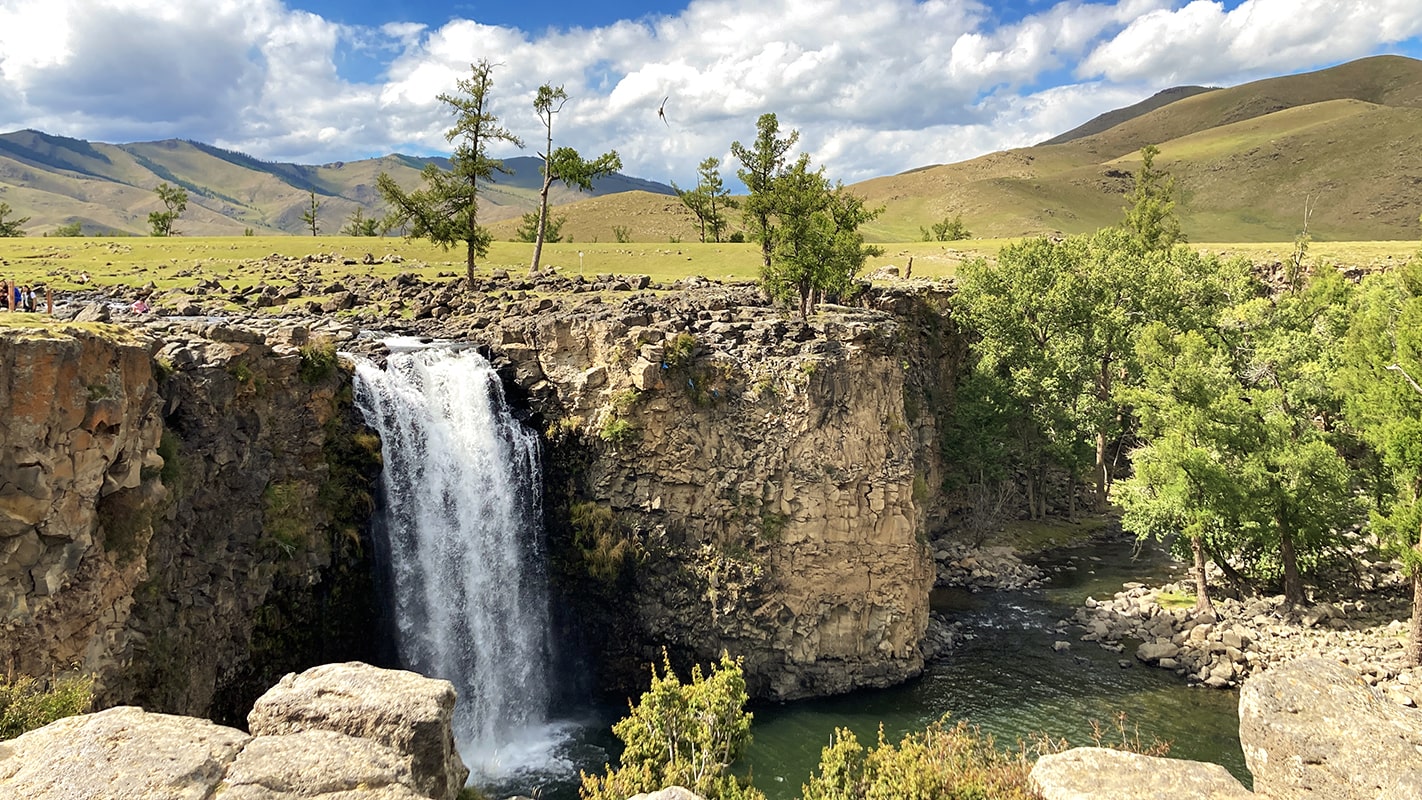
{"type": "Point", "coordinates": [1293, 584]}
{"type": "Point", "coordinates": [1102, 472]}
{"type": "Point", "coordinates": [469, 265]}
{"type": "Point", "coordinates": [1413, 655]}
{"type": "Point", "coordinates": [542, 219]}
{"type": "Point", "coordinates": [1203, 606]}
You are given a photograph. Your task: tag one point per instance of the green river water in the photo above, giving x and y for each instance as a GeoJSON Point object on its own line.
{"type": "Point", "coordinates": [1007, 680]}
{"type": "Point", "coordinates": [1010, 682]}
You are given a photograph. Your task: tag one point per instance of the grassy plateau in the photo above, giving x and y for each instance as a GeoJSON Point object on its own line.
{"type": "Point", "coordinates": [177, 262]}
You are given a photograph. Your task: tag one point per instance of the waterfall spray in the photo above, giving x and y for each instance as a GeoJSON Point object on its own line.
{"type": "Point", "coordinates": [463, 520]}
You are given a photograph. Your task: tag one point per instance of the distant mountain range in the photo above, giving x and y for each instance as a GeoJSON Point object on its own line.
{"type": "Point", "coordinates": [1346, 141]}
{"type": "Point", "coordinates": [56, 181]}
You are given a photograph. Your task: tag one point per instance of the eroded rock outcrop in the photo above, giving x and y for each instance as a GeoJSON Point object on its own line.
{"type": "Point", "coordinates": [179, 512]}
{"type": "Point", "coordinates": [765, 469]}
{"type": "Point", "coordinates": [80, 428]}
{"type": "Point", "coordinates": [313, 740]}
{"type": "Point", "coordinates": [1315, 728]}
{"type": "Point", "coordinates": [1096, 773]}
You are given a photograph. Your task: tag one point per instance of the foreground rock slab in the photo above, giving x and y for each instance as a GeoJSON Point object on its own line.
{"type": "Point", "coordinates": [411, 714]}
{"type": "Point", "coordinates": [314, 764]}
{"type": "Point", "coordinates": [1094, 773]}
{"type": "Point", "coordinates": [354, 732]}
{"type": "Point", "coordinates": [1314, 728]}
{"type": "Point", "coordinates": [122, 752]}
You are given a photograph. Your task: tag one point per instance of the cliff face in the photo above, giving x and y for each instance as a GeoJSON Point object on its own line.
{"type": "Point", "coordinates": [736, 479]}
{"type": "Point", "coordinates": [184, 514]}
{"type": "Point", "coordinates": [79, 484]}
{"type": "Point", "coordinates": [170, 510]}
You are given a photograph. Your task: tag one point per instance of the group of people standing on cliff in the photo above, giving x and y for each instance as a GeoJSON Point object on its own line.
{"type": "Point", "coordinates": [19, 298]}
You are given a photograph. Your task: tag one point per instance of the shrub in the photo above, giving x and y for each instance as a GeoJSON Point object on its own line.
{"type": "Point", "coordinates": [605, 550]}
{"type": "Point", "coordinates": [318, 361]}
{"type": "Point", "coordinates": [938, 763]}
{"type": "Point", "coordinates": [680, 350]}
{"type": "Point", "coordinates": [681, 734]}
{"type": "Point", "coordinates": [618, 432]}
{"type": "Point", "coordinates": [26, 705]}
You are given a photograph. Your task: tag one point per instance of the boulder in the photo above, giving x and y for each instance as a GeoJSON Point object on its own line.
{"type": "Point", "coordinates": [669, 793]}
{"type": "Point", "coordinates": [122, 752]}
{"type": "Point", "coordinates": [1151, 652]}
{"type": "Point", "coordinates": [1314, 728]}
{"type": "Point", "coordinates": [322, 764]}
{"type": "Point", "coordinates": [406, 712]}
{"type": "Point", "coordinates": [1098, 773]}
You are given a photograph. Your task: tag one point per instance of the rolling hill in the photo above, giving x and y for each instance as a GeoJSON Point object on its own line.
{"type": "Point", "coordinates": [1247, 159]}
{"type": "Point", "coordinates": [56, 181]}
{"type": "Point", "coordinates": [1346, 141]}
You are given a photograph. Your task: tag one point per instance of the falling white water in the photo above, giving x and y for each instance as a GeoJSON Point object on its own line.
{"type": "Point", "coordinates": [463, 520]}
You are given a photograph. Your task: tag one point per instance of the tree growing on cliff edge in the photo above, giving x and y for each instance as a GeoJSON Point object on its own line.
{"type": "Point", "coordinates": [563, 164]}
{"type": "Point", "coordinates": [10, 228]}
{"type": "Point", "coordinates": [818, 247]}
{"type": "Point", "coordinates": [1150, 205]}
{"type": "Point", "coordinates": [761, 165]}
{"type": "Point", "coordinates": [175, 202]}
{"type": "Point", "coordinates": [446, 210]}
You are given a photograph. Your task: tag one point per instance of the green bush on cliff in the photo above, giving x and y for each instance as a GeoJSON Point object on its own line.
{"type": "Point", "coordinates": [941, 762]}
{"type": "Point", "coordinates": [682, 734]}
{"type": "Point", "coordinates": [318, 361]}
{"type": "Point", "coordinates": [25, 704]}
{"type": "Point", "coordinates": [605, 550]}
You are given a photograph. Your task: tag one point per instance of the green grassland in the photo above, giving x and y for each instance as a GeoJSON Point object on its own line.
{"type": "Point", "coordinates": [178, 262]}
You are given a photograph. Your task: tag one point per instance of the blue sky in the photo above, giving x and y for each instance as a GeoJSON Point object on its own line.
{"type": "Point", "coordinates": [874, 88]}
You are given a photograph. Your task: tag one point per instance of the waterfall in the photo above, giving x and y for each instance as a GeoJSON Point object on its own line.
{"type": "Point", "coordinates": [463, 522]}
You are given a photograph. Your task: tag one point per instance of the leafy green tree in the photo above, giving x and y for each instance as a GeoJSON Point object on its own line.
{"type": "Point", "coordinates": [71, 230]}
{"type": "Point", "coordinates": [681, 734]}
{"type": "Point", "coordinates": [528, 228]}
{"type": "Point", "coordinates": [1184, 482]}
{"type": "Point", "coordinates": [446, 210]}
{"type": "Point", "coordinates": [10, 228]}
{"type": "Point", "coordinates": [710, 200]}
{"type": "Point", "coordinates": [1150, 205]}
{"type": "Point", "coordinates": [563, 164]}
{"type": "Point", "coordinates": [309, 216]}
{"type": "Point", "coordinates": [946, 230]}
{"type": "Point", "coordinates": [1383, 400]}
{"type": "Point", "coordinates": [1057, 321]}
{"type": "Point", "coordinates": [818, 247]}
{"type": "Point", "coordinates": [1240, 458]}
{"type": "Point", "coordinates": [761, 165]}
{"type": "Point", "coordinates": [360, 225]}
{"type": "Point", "coordinates": [175, 202]}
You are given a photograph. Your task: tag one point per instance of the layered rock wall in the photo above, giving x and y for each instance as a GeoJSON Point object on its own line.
{"type": "Point", "coordinates": [761, 473]}
{"type": "Point", "coordinates": [80, 428]}
{"type": "Point", "coordinates": [170, 510]}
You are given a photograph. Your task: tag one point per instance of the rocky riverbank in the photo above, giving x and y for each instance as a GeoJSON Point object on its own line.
{"type": "Point", "coordinates": [1365, 629]}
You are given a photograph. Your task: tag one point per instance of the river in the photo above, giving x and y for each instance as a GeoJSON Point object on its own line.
{"type": "Point", "coordinates": [1007, 679]}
